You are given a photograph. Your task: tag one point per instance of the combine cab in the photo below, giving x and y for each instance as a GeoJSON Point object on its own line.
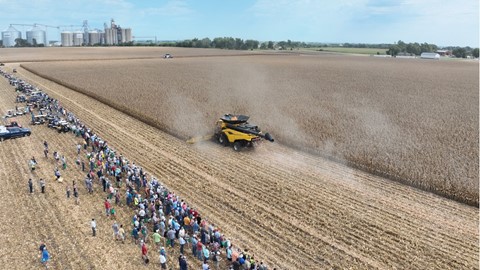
{"type": "Point", "coordinates": [235, 130]}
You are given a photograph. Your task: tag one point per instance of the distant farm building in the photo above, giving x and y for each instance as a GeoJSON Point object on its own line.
{"type": "Point", "coordinates": [430, 55]}
{"type": "Point", "coordinates": [444, 52]}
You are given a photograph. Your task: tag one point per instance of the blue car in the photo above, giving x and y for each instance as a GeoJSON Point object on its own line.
{"type": "Point", "coordinates": [13, 132]}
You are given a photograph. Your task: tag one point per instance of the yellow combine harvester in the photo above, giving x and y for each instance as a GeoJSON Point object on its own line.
{"type": "Point", "coordinates": [235, 130]}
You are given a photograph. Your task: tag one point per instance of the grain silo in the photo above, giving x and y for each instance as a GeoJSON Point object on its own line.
{"type": "Point", "coordinates": [94, 37]}
{"type": "Point", "coordinates": [67, 38]}
{"type": "Point", "coordinates": [123, 36]}
{"type": "Point", "coordinates": [37, 36]}
{"type": "Point", "coordinates": [77, 38]}
{"type": "Point", "coordinates": [111, 37]}
{"type": "Point", "coordinates": [9, 36]}
{"type": "Point", "coordinates": [128, 34]}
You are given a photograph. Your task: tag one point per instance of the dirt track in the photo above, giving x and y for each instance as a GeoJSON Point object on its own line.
{"type": "Point", "coordinates": [293, 210]}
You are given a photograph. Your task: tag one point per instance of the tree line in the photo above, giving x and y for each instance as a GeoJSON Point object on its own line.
{"type": "Point", "coordinates": [19, 42]}
{"type": "Point", "coordinates": [395, 49]}
{"type": "Point", "coordinates": [231, 43]}
{"type": "Point", "coordinates": [415, 48]}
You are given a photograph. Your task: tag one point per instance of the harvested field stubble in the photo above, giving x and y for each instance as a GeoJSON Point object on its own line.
{"type": "Point", "coordinates": [291, 209]}
{"type": "Point", "coordinates": [46, 54]}
{"type": "Point", "coordinates": [411, 120]}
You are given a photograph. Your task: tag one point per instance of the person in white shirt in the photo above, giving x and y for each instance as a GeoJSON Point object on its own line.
{"type": "Point", "coordinates": [205, 265]}
{"type": "Point", "coordinates": [93, 224]}
{"type": "Point", "coordinates": [163, 261]}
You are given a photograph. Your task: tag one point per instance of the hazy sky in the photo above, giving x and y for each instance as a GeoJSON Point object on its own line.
{"type": "Point", "coordinates": [441, 22]}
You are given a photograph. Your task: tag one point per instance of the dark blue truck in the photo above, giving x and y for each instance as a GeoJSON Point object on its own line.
{"type": "Point", "coordinates": [13, 132]}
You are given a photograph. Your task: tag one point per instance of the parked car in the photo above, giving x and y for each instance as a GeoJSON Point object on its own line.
{"type": "Point", "coordinates": [13, 124]}
{"type": "Point", "coordinates": [167, 55]}
{"type": "Point", "coordinates": [63, 126]}
{"type": "Point", "coordinates": [13, 132]}
{"type": "Point", "coordinates": [39, 119]}
{"type": "Point", "coordinates": [10, 113]}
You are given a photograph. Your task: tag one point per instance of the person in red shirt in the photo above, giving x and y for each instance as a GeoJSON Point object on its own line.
{"type": "Point", "coordinates": [107, 207]}
{"type": "Point", "coordinates": [145, 253]}
{"type": "Point", "coordinates": [199, 250]}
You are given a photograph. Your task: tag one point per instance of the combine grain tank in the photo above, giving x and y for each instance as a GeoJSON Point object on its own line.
{"type": "Point", "coordinates": [9, 36]}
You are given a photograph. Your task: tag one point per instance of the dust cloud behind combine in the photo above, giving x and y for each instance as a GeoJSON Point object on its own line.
{"type": "Point", "coordinates": [411, 120]}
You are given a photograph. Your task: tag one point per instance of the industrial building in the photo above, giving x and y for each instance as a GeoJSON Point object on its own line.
{"type": "Point", "coordinates": [70, 35]}
{"type": "Point", "coordinates": [115, 34]}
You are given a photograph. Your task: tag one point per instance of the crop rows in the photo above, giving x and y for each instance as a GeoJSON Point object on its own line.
{"type": "Point", "coordinates": [293, 209]}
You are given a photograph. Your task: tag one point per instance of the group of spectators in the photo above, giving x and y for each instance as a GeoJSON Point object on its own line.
{"type": "Point", "coordinates": [160, 217]}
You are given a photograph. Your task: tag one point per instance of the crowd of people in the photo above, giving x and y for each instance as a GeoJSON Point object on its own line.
{"type": "Point", "coordinates": [160, 217]}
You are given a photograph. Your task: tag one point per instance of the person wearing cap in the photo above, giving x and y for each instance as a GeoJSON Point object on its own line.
{"type": "Point", "coordinates": [163, 252]}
